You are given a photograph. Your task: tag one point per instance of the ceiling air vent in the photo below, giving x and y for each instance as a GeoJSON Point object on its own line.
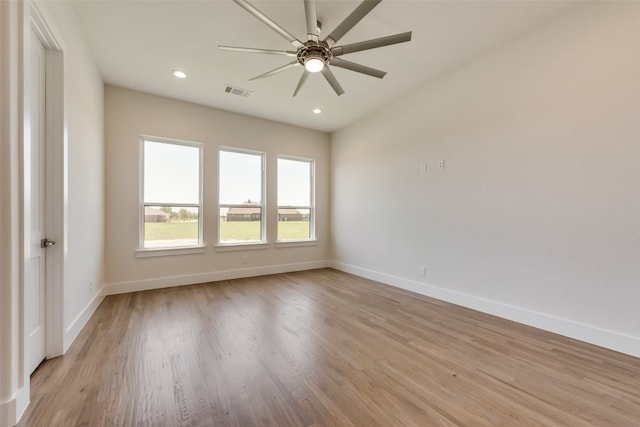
{"type": "Point", "coordinates": [237, 91]}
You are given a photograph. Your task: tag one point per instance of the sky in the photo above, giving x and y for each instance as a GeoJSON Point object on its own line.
{"type": "Point", "coordinates": [171, 173]}
{"type": "Point", "coordinates": [171, 176]}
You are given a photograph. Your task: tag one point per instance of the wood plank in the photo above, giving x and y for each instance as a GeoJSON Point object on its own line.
{"type": "Point", "coordinates": [323, 348]}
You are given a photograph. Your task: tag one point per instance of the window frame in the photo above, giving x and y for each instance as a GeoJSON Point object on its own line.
{"type": "Point", "coordinates": [250, 244]}
{"type": "Point", "coordinates": [312, 200]}
{"type": "Point", "coordinates": [169, 250]}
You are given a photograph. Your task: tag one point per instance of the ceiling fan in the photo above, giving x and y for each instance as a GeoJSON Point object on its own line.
{"type": "Point", "coordinates": [316, 55]}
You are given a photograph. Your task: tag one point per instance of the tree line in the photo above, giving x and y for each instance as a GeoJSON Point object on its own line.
{"type": "Point", "coordinates": [181, 215]}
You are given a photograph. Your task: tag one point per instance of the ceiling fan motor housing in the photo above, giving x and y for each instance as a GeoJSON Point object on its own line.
{"type": "Point", "coordinates": [314, 50]}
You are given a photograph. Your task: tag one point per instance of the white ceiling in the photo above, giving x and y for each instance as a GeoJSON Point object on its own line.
{"type": "Point", "coordinates": [137, 44]}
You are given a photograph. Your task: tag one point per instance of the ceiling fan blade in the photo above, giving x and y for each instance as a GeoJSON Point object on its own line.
{"type": "Point", "coordinates": [269, 22]}
{"type": "Point", "coordinates": [303, 78]}
{"type": "Point", "coordinates": [371, 44]}
{"type": "Point", "coordinates": [254, 50]}
{"type": "Point", "coordinates": [358, 68]}
{"type": "Point", "coordinates": [312, 20]}
{"type": "Point", "coordinates": [326, 72]}
{"type": "Point", "coordinates": [276, 70]}
{"type": "Point", "coordinates": [350, 21]}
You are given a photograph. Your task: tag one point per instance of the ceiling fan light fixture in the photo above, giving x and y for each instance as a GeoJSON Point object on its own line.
{"type": "Point", "coordinates": [314, 63]}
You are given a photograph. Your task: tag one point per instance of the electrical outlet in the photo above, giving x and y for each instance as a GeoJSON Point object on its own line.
{"type": "Point", "coordinates": [245, 259]}
{"type": "Point", "coordinates": [423, 168]}
{"type": "Point", "coordinates": [423, 271]}
{"type": "Point", "coordinates": [441, 165]}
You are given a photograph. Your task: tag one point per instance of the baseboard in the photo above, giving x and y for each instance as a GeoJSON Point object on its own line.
{"type": "Point", "coordinates": [12, 410]}
{"type": "Point", "coordinates": [587, 333]}
{"type": "Point", "coordinates": [213, 276]}
{"type": "Point", "coordinates": [74, 328]}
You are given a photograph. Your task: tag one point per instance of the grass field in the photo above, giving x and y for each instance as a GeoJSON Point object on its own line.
{"type": "Point", "coordinates": [229, 231]}
{"type": "Point", "coordinates": [170, 230]}
{"type": "Point", "coordinates": [293, 230]}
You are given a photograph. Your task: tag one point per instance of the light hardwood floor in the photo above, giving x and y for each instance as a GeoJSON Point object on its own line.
{"type": "Point", "coordinates": [323, 348]}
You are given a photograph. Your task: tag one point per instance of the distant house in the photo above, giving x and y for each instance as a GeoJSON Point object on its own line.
{"type": "Point", "coordinates": [155, 215]}
{"type": "Point", "coordinates": [290, 214]}
{"type": "Point", "coordinates": [249, 211]}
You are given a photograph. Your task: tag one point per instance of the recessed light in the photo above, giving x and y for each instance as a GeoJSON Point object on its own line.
{"type": "Point", "coordinates": [179, 74]}
{"type": "Point", "coordinates": [317, 111]}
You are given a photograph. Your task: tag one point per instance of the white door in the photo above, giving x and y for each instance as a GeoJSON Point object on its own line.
{"type": "Point", "coordinates": [35, 211]}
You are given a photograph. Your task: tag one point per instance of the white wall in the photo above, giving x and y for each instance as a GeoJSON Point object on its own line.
{"type": "Point", "coordinates": [130, 114]}
{"type": "Point", "coordinates": [14, 392]}
{"type": "Point", "coordinates": [536, 216]}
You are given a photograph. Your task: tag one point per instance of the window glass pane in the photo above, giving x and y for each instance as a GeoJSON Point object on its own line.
{"type": "Point", "coordinates": [294, 182]}
{"type": "Point", "coordinates": [240, 178]}
{"type": "Point", "coordinates": [240, 224]}
{"type": "Point", "coordinates": [294, 224]}
{"type": "Point", "coordinates": [171, 173]}
{"type": "Point", "coordinates": [170, 226]}
{"type": "Point", "coordinates": [294, 199]}
{"type": "Point", "coordinates": [171, 194]}
{"type": "Point", "coordinates": [240, 203]}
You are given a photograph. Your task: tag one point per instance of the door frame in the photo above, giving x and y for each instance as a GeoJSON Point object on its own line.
{"type": "Point", "coordinates": [17, 18]}
{"type": "Point", "coordinates": [55, 166]}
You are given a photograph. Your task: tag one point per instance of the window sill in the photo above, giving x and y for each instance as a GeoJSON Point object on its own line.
{"type": "Point", "coordinates": [230, 247]}
{"type": "Point", "coordinates": [154, 252]}
{"type": "Point", "coordinates": [295, 243]}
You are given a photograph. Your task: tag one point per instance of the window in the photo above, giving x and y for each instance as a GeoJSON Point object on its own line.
{"type": "Point", "coordinates": [295, 199]}
{"type": "Point", "coordinates": [241, 195]}
{"type": "Point", "coordinates": [171, 208]}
